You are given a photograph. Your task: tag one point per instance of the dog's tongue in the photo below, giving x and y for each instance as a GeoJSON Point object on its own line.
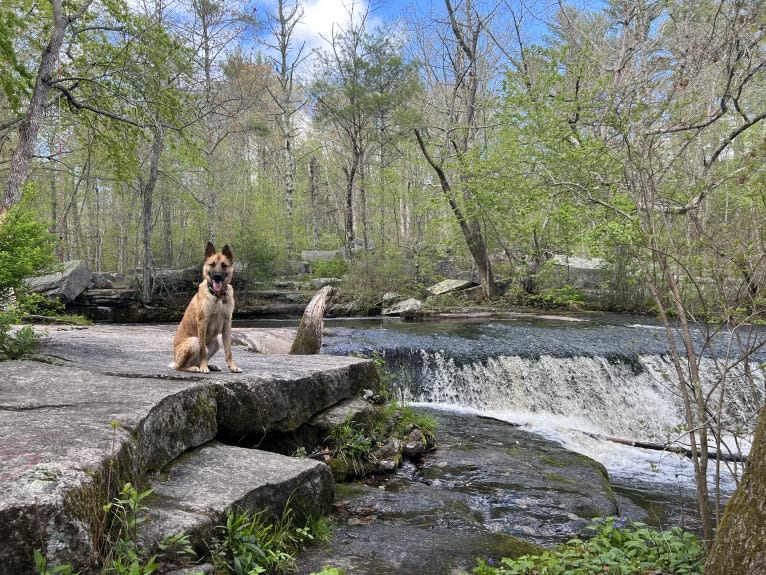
{"type": "Point", "coordinates": [217, 285]}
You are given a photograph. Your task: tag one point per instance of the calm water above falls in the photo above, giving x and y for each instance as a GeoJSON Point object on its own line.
{"type": "Point", "coordinates": [574, 381]}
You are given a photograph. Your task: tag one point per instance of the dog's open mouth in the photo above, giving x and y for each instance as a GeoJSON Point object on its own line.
{"type": "Point", "coordinates": [217, 286]}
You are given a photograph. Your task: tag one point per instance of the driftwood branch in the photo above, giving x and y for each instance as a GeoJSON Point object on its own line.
{"type": "Point", "coordinates": [670, 449]}
{"type": "Point", "coordinates": [308, 340]}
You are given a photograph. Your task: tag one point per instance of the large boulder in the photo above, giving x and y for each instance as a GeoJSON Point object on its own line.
{"type": "Point", "coordinates": [447, 286]}
{"type": "Point", "coordinates": [580, 273]}
{"type": "Point", "coordinates": [66, 284]}
{"type": "Point", "coordinates": [196, 492]}
{"type": "Point", "coordinates": [406, 308]}
{"type": "Point", "coordinates": [321, 255]}
{"type": "Point", "coordinates": [108, 409]}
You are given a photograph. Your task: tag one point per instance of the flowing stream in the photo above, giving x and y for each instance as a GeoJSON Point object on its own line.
{"type": "Point", "coordinates": [583, 383]}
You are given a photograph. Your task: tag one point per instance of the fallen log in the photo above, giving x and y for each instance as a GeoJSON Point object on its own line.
{"type": "Point", "coordinates": [678, 449]}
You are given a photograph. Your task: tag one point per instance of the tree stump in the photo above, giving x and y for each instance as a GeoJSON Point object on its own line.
{"type": "Point", "coordinates": [308, 340]}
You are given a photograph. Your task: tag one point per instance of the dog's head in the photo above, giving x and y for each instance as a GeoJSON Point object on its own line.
{"type": "Point", "coordinates": [218, 269]}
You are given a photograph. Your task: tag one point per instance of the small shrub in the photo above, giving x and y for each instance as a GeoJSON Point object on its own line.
{"type": "Point", "coordinates": [350, 442]}
{"type": "Point", "coordinates": [257, 252]}
{"type": "Point", "coordinates": [327, 570]}
{"type": "Point", "coordinates": [27, 248]}
{"type": "Point", "coordinates": [617, 548]}
{"type": "Point", "coordinates": [41, 564]}
{"type": "Point", "coordinates": [565, 297]}
{"type": "Point", "coordinates": [334, 268]}
{"type": "Point", "coordinates": [250, 544]}
{"type": "Point", "coordinates": [16, 344]}
{"type": "Point", "coordinates": [129, 513]}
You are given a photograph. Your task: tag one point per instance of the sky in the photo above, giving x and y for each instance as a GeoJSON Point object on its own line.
{"type": "Point", "coordinates": [320, 15]}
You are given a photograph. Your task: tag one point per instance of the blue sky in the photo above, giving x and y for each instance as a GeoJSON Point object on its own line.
{"type": "Point", "coordinates": [320, 15]}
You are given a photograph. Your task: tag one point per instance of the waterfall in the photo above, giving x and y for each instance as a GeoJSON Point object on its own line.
{"type": "Point", "coordinates": [581, 382]}
{"type": "Point", "coordinates": [582, 400]}
{"type": "Point", "coordinates": [638, 400]}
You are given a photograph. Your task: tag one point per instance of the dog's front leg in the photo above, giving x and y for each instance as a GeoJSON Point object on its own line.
{"type": "Point", "coordinates": [202, 336]}
{"type": "Point", "coordinates": [226, 336]}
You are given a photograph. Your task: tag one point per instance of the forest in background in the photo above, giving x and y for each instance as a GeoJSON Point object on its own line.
{"type": "Point", "coordinates": [489, 134]}
{"type": "Point", "coordinates": [493, 134]}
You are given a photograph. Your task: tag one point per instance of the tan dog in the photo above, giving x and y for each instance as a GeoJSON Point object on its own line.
{"type": "Point", "coordinates": [207, 316]}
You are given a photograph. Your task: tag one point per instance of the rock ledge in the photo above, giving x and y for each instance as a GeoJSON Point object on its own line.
{"type": "Point", "coordinates": [112, 403]}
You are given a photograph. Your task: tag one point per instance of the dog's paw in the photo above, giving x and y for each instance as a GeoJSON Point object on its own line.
{"type": "Point", "coordinates": [234, 369]}
{"type": "Point", "coordinates": [193, 368]}
{"type": "Point", "coordinates": [204, 369]}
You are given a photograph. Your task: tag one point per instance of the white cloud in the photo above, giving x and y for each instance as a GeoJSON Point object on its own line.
{"type": "Point", "coordinates": [319, 17]}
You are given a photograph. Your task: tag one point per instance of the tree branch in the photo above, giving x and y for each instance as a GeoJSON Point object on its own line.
{"type": "Point", "coordinates": [101, 112]}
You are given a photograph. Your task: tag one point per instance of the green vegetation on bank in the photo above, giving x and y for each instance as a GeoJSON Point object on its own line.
{"type": "Point", "coordinates": [617, 547]}
{"type": "Point", "coordinates": [247, 544]}
{"type": "Point", "coordinates": [26, 249]}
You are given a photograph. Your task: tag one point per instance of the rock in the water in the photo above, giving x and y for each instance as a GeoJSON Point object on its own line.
{"type": "Point", "coordinates": [408, 307]}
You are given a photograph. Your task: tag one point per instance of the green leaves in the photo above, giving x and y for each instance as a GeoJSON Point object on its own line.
{"type": "Point", "coordinates": [618, 547]}
{"type": "Point", "coordinates": [251, 544]}
{"type": "Point", "coordinates": [15, 80]}
{"type": "Point", "coordinates": [26, 247]}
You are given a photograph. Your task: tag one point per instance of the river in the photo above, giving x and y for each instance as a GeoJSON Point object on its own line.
{"type": "Point", "coordinates": [582, 381]}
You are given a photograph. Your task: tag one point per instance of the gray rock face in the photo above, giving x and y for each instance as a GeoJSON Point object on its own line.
{"type": "Point", "coordinates": [487, 484]}
{"type": "Point", "coordinates": [581, 273]}
{"type": "Point", "coordinates": [408, 306]}
{"type": "Point", "coordinates": [198, 491]}
{"type": "Point", "coordinates": [58, 437]}
{"type": "Point", "coordinates": [447, 286]}
{"type": "Point", "coordinates": [356, 409]}
{"type": "Point", "coordinates": [66, 284]}
{"type": "Point", "coordinates": [321, 255]}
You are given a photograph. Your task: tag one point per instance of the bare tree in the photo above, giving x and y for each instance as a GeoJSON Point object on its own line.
{"type": "Point", "coordinates": [457, 71]}
{"type": "Point", "coordinates": [682, 112]}
{"type": "Point", "coordinates": [287, 96]}
{"type": "Point", "coordinates": [215, 27]}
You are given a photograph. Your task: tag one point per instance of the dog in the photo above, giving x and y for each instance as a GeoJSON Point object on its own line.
{"type": "Point", "coordinates": [207, 316]}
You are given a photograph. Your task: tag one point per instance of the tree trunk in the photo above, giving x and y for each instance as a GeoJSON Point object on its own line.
{"type": "Point", "coordinates": [471, 228]}
{"type": "Point", "coordinates": [314, 194]}
{"type": "Point", "coordinates": [363, 201]}
{"type": "Point", "coordinates": [30, 125]}
{"type": "Point", "coordinates": [740, 545]}
{"type": "Point", "coordinates": [289, 192]}
{"type": "Point", "coordinates": [167, 230]}
{"type": "Point", "coordinates": [349, 215]}
{"type": "Point", "coordinates": [308, 340]}
{"type": "Point", "coordinates": [147, 196]}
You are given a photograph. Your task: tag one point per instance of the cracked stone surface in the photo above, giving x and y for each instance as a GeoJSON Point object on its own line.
{"type": "Point", "coordinates": [110, 395]}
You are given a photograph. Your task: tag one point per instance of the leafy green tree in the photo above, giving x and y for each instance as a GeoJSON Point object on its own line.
{"type": "Point", "coordinates": [457, 121]}
{"type": "Point", "coordinates": [681, 128]}
{"type": "Point", "coordinates": [362, 82]}
{"type": "Point", "coordinates": [27, 249]}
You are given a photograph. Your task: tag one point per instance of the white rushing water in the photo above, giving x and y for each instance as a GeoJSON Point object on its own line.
{"type": "Point", "coordinates": [580, 402]}
{"type": "Point", "coordinates": [581, 383]}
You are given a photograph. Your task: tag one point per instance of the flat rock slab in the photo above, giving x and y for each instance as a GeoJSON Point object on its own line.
{"type": "Point", "coordinates": [197, 491]}
{"type": "Point", "coordinates": [112, 397]}
{"type": "Point", "coordinates": [487, 489]}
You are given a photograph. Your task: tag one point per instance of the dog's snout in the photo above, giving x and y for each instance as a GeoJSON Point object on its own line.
{"type": "Point", "coordinates": [218, 276]}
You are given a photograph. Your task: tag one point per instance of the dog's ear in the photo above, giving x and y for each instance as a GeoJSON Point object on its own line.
{"type": "Point", "coordinates": [209, 250]}
{"type": "Point", "coordinates": [227, 252]}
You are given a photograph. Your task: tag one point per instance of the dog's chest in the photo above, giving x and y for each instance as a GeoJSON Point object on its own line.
{"type": "Point", "coordinates": [217, 311]}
